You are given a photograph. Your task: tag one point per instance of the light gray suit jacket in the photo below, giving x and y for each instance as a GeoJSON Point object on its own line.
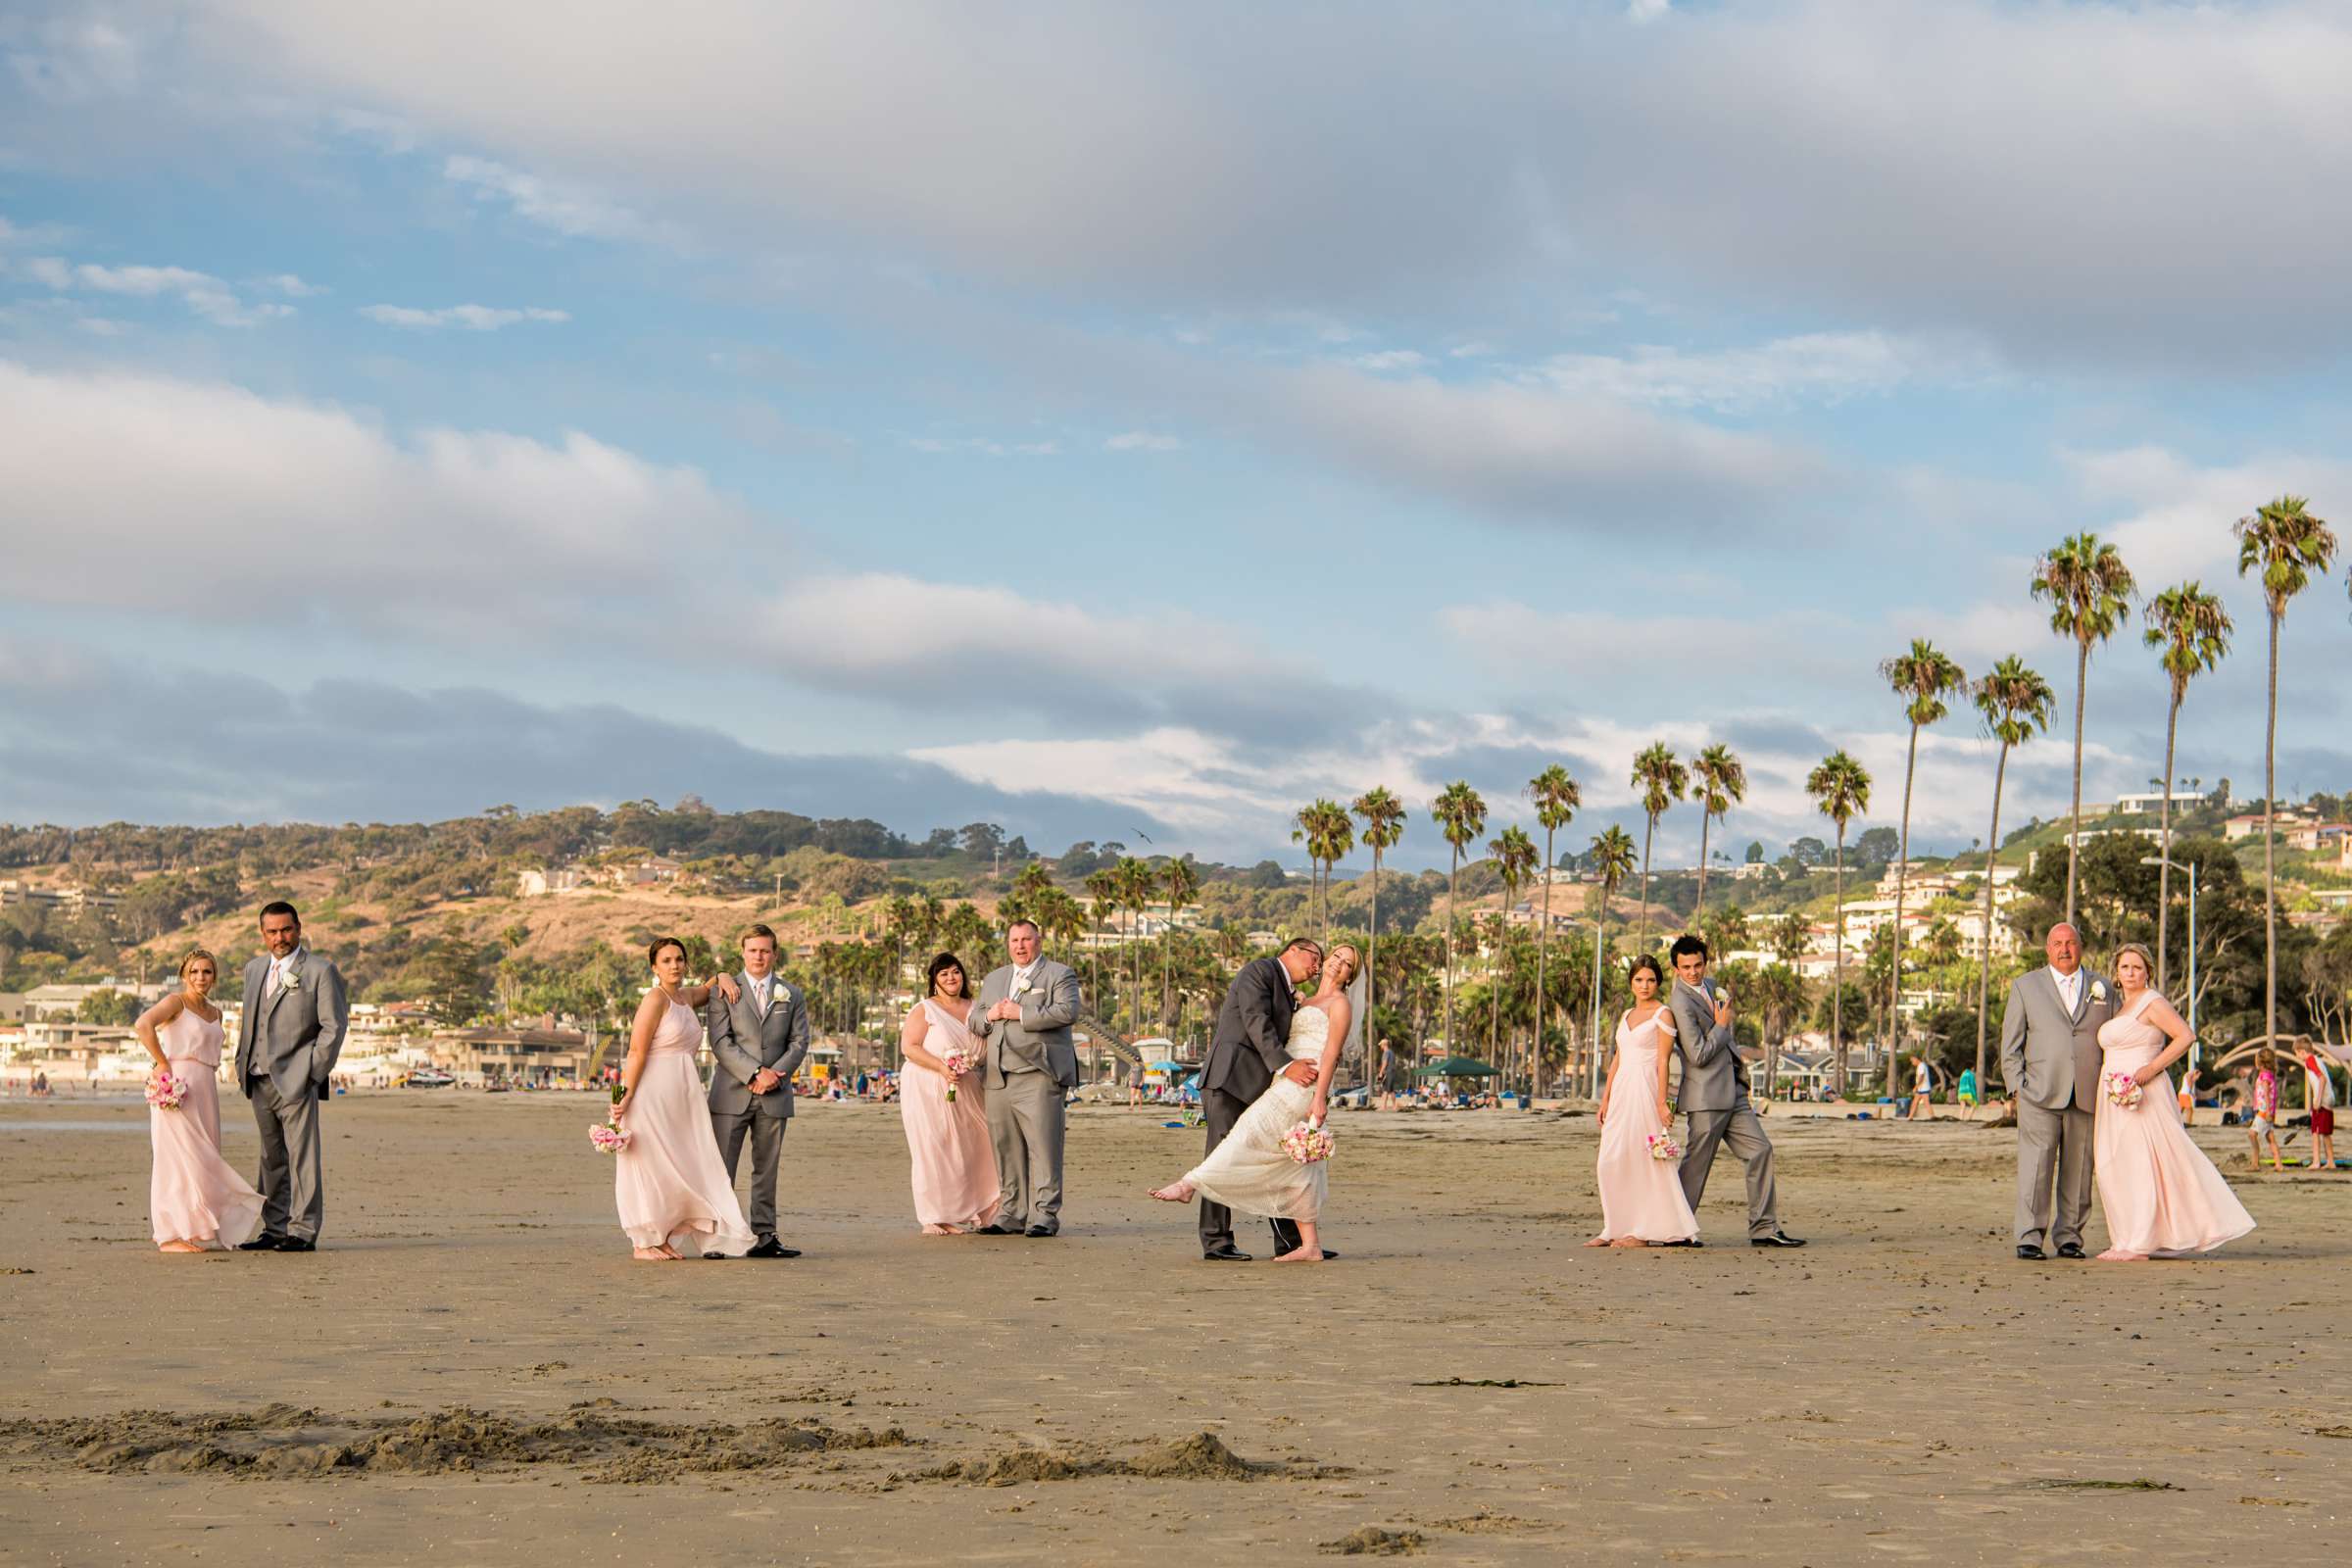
{"type": "Point", "coordinates": [741, 1043]}
{"type": "Point", "coordinates": [293, 1037]}
{"type": "Point", "coordinates": [1714, 1077]}
{"type": "Point", "coordinates": [1042, 1039]}
{"type": "Point", "coordinates": [2050, 1057]}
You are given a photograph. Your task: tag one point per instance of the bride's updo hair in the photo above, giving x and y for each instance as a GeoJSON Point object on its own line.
{"type": "Point", "coordinates": [2148, 961]}
{"type": "Point", "coordinates": [1649, 962]}
{"type": "Point", "coordinates": [194, 953]}
{"type": "Point", "coordinates": [1355, 962]}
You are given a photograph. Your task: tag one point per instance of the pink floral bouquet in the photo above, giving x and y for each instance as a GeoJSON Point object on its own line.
{"type": "Point", "coordinates": [1308, 1143]}
{"type": "Point", "coordinates": [165, 1092]}
{"type": "Point", "coordinates": [610, 1138]}
{"type": "Point", "coordinates": [958, 1065]}
{"type": "Point", "coordinates": [1663, 1147]}
{"type": "Point", "coordinates": [2123, 1091]}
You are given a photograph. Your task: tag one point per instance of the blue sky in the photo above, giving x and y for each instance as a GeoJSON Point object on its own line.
{"type": "Point", "coordinates": [1107, 419]}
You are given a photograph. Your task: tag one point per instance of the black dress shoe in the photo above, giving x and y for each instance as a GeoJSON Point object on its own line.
{"type": "Point", "coordinates": [1776, 1239]}
{"type": "Point", "coordinates": [295, 1244]}
{"type": "Point", "coordinates": [1687, 1242]}
{"type": "Point", "coordinates": [1228, 1254]}
{"type": "Point", "coordinates": [994, 1229]}
{"type": "Point", "coordinates": [1035, 1232]}
{"type": "Point", "coordinates": [263, 1242]}
{"type": "Point", "coordinates": [2073, 1250]}
{"type": "Point", "coordinates": [768, 1246]}
{"type": "Point", "coordinates": [2032, 1254]}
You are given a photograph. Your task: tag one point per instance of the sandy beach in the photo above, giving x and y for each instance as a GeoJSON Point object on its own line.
{"type": "Point", "coordinates": [473, 1371]}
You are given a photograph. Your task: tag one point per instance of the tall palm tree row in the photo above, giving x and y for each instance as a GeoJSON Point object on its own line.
{"type": "Point", "coordinates": [1329, 833]}
{"type": "Point", "coordinates": [1137, 883]}
{"type": "Point", "coordinates": [1841, 788]}
{"type": "Point", "coordinates": [1556, 798]}
{"type": "Point", "coordinates": [1460, 813]}
{"type": "Point", "coordinates": [1923, 677]}
{"type": "Point", "coordinates": [1722, 783]}
{"type": "Point", "coordinates": [2285, 544]}
{"type": "Point", "coordinates": [2015, 704]}
{"type": "Point", "coordinates": [2089, 592]}
{"type": "Point", "coordinates": [1180, 885]}
{"type": "Point", "coordinates": [2194, 631]}
{"type": "Point", "coordinates": [1383, 817]}
{"type": "Point", "coordinates": [1613, 858]}
{"type": "Point", "coordinates": [1515, 859]}
{"type": "Point", "coordinates": [1102, 897]}
{"type": "Point", "coordinates": [1662, 779]}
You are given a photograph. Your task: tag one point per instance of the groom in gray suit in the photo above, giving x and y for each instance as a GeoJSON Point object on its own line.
{"type": "Point", "coordinates": [1024, 1016]}
{"type": "Point", "coordinates": [758, 1041]}
{"type": "Point", "coordinates": [289, 1033]}
{"type": "Point", "coordinates": [1714, 1096]}
{"type": "Point", "coordinates": [2050, 1058]}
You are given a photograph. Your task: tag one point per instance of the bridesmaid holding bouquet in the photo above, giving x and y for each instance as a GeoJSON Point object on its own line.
{"type": "Point", "coordinates": [196, 1201]}
{"type": "Point", "coordinates": [1642, 1201]}
{"type": "Point", "coordinates": [668, 1182]}
{"type": "Point", "coordinates": [955, 1163]}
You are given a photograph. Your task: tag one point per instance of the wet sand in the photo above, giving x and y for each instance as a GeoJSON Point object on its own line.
{"type": "Point", "coordinates": [473, 1370]}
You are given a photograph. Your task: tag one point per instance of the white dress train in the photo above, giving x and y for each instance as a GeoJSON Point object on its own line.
{"type": "Point", "coordinates": [1249, 1171]}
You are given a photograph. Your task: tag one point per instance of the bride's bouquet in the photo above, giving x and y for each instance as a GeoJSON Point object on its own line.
{"type": "Point", "coordinates": [2123, 1091]}
{"type": "Point", "coordinates": [165, 1092]}
{"type": "Point", "coordinates": [957, 1063]}
{"type": "Point", "coordinates": [1308, 1143]}
{"type": "Point", "coordinates": [1663, 1147]}
{"type": "Point", "coordinates": [611, 1138]}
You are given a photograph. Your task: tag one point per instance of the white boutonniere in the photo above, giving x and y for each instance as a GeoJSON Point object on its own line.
{"type": "Point", "coordinates": [2099, 991]}
{"type": "Point", "coordinates": [1023, 989]}
{"type": "Point", "coordinates": [289, 977]}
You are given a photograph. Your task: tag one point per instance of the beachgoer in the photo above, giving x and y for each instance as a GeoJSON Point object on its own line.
{"type": "Point", "coordinates": [2318, 1095]}
{"type": "Point", "coordinates": [2265, 1125]}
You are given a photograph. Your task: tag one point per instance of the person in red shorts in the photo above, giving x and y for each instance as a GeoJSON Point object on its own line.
{"type": "Point", "coordinates": [2319, 1093]}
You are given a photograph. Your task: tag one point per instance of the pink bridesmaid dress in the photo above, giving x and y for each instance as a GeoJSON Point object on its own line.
{"type": "Point", "coordinates": [954, 1162]}
{"type": "Point", "coordinates": [669, 1183]}
{"type": "Point", "coordinates": [193, 1196]}
{"type": "Point", "coordinates": [1641, 1194]}
{"type": "Point", "coordinates": [2160, 1195]}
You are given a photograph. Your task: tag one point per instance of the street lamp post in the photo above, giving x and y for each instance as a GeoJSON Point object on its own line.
{"type": "Point", "coordinates": [2192, 869]}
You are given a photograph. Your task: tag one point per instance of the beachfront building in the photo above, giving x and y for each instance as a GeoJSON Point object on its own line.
{"type": "Point", "coordinates": [511, 1055]}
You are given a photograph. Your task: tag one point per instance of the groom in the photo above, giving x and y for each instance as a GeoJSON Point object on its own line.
{"type": "Point", "coordinates": [758, 1041]}
{"type": "Point", "coordinates": [1252, 1043]}
{"type": "Point", "coordinates": [1024, 1016]}
{"type": "Point", "coordinates": [289, 1031]}
{"type": "Point", "coordinates": [2050, 1058]}
{"type": "Point", "coordinates": [1714, 1095]}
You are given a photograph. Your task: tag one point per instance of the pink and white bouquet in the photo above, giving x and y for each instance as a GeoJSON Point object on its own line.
{"type": "Point", "coordinates": [1308, 1143]}
{"type": "Point", "coordinates": [957, 1063]}
{"type": "Point", "coordinates": [1663, 1147]}
{"type": "Point", "coordinates": [165, 1090]}
{"type": "Point", "coordinates": [612, 1137]}
{"type": "Point", "coordinates": [2123, 1091]}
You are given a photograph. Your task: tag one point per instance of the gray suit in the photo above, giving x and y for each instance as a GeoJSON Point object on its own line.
{"type": "Point", "coordinates": [742, 1041]}
{"type": "Point", "coordinates": [287, 1042]}
{"type": "Point", "coordinates": [1028, 1067]}
{"type": "Point", "coordinates": [2050, 1060]}
{"type": "Point", "coordinates": [1714, 1095]}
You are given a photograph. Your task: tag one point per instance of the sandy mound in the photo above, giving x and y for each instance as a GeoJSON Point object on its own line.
{"type": "Point", "coordinates": [1203, 1456]}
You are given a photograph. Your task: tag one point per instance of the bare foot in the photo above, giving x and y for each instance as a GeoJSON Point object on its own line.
{"type": "Point", "coordinates": [939, 1230]}
{"type": "Point", "coordinates": [1600, 1241]}
{"type": "Point", "coordinates": [1629, 1240]}
{"type": "Point", "coordinates": [1301, 1255]}
{"type": "Point", "coordinates": [653, 1255]}
{"type": "Point", "coordinates": [1174, 1192]}
{"type": "Point", "coordinates": [2116, 1255]}
{"type": "Point", "coordinates": [180, 1246]}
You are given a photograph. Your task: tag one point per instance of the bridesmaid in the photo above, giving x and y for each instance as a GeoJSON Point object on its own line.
{"type": "Point", "coordinates": [1642, 1201]}
{"type": "Point", "coordinates": [195, 1199]}
{"type": "Point", "coordinates": [669, 1183]}
{"type": "Point", "coordinates": [955, 1165]}
{"type": "Point", "coordinates": [2160, 1193]}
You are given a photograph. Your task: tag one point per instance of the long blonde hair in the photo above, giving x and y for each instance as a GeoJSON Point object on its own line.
{"type": "Point", "coordinates": [2148, 961]}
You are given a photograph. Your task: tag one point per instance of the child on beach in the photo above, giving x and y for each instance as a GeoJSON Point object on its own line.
{"type": "Point", "coordinates": [2319, 1093]}
{"type": "Point", "coordinates": [2266, 1110]}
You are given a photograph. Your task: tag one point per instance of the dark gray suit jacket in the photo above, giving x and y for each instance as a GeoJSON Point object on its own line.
{"type": "Point", "coordinates": [291, 1037]}
{"type": "Point", "coordinates": [1252, 1042]}
{"type": "Point", "coordinates": [741, 1043]}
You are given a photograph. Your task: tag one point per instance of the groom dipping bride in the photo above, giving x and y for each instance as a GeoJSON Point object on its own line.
{"type": "Point", "coordinates": [1269, 1068]}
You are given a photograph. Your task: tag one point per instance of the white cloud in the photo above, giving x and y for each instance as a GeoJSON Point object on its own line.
{"type": "Point", "coordinates": [1646, 10]}
{"type": "Point", "coordinates": [199, 292]}
{"type": "Point", "coordinates": [1814, 366]}
{"type": "Point", "coordinates": [570, 209]}
{"type": "Point", "coordinates": [1389, 360]}
{"type": "Point", "coordinates": [1142, 441]}
{"type": "Point", "coordinates": [291, 286]}
{"type": "Point", "coordinates": [942, 445]}
{"type": "Point", "coordinates": [471, 317]}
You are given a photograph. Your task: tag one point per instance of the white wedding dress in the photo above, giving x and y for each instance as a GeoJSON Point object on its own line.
{"type": "Point", "coordinates": [1249, 1171]}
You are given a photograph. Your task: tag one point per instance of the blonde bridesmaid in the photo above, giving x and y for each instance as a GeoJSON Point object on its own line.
{"type": "Point", "coordinates": [196, 1201]}
{"type": "Point", "coordinates": [670, 1186]}
{"type": "Point", "coordinates": [955, 1163]}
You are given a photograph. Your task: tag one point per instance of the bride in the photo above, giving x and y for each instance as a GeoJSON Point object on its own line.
{"type": "Point", "coordinates": [1248, 1170]}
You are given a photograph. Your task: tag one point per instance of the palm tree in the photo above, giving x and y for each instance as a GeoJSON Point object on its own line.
{"type": "Point", "coordinates": [1840, 787]}
{"type": "Point", "coordinates": [2193, 629]}
{"type": "Point", "coordinates": [1556, 796]}
{"type": "Point", "coordinates": [1460, 813]}
{"type": "Point", "coordinates": [1135, 883]}
{"type": "Point", "coordinates": [1613, 858]}
{"type": "Point", "coordinates": [2014, 703]}
{"type": "Point", "coordinates": [1923, 677]}
{"type": "Point", "coordinates": [1329, 833]}
{"type": "Point", "coordinates": [1383, 818]}
{"type": "Point", "coordinates": [2287, 544]}
{"type": "Point", "coordinates": [2089, 592]}
{"type": "Point", "coordinates": [1722, 783]}
{"type": "Point", "coordinates": [1515, 857]}
{"type": "Point", "coordinates": [1180, 882]}
{"type": "Point", "coordinates": [1103, 893]}
{"type": "Point", "coordinates": [1662, 781]}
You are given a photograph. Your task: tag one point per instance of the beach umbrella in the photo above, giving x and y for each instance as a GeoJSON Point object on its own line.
{"type": "Point", "coordinates": [1458, 1067]}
